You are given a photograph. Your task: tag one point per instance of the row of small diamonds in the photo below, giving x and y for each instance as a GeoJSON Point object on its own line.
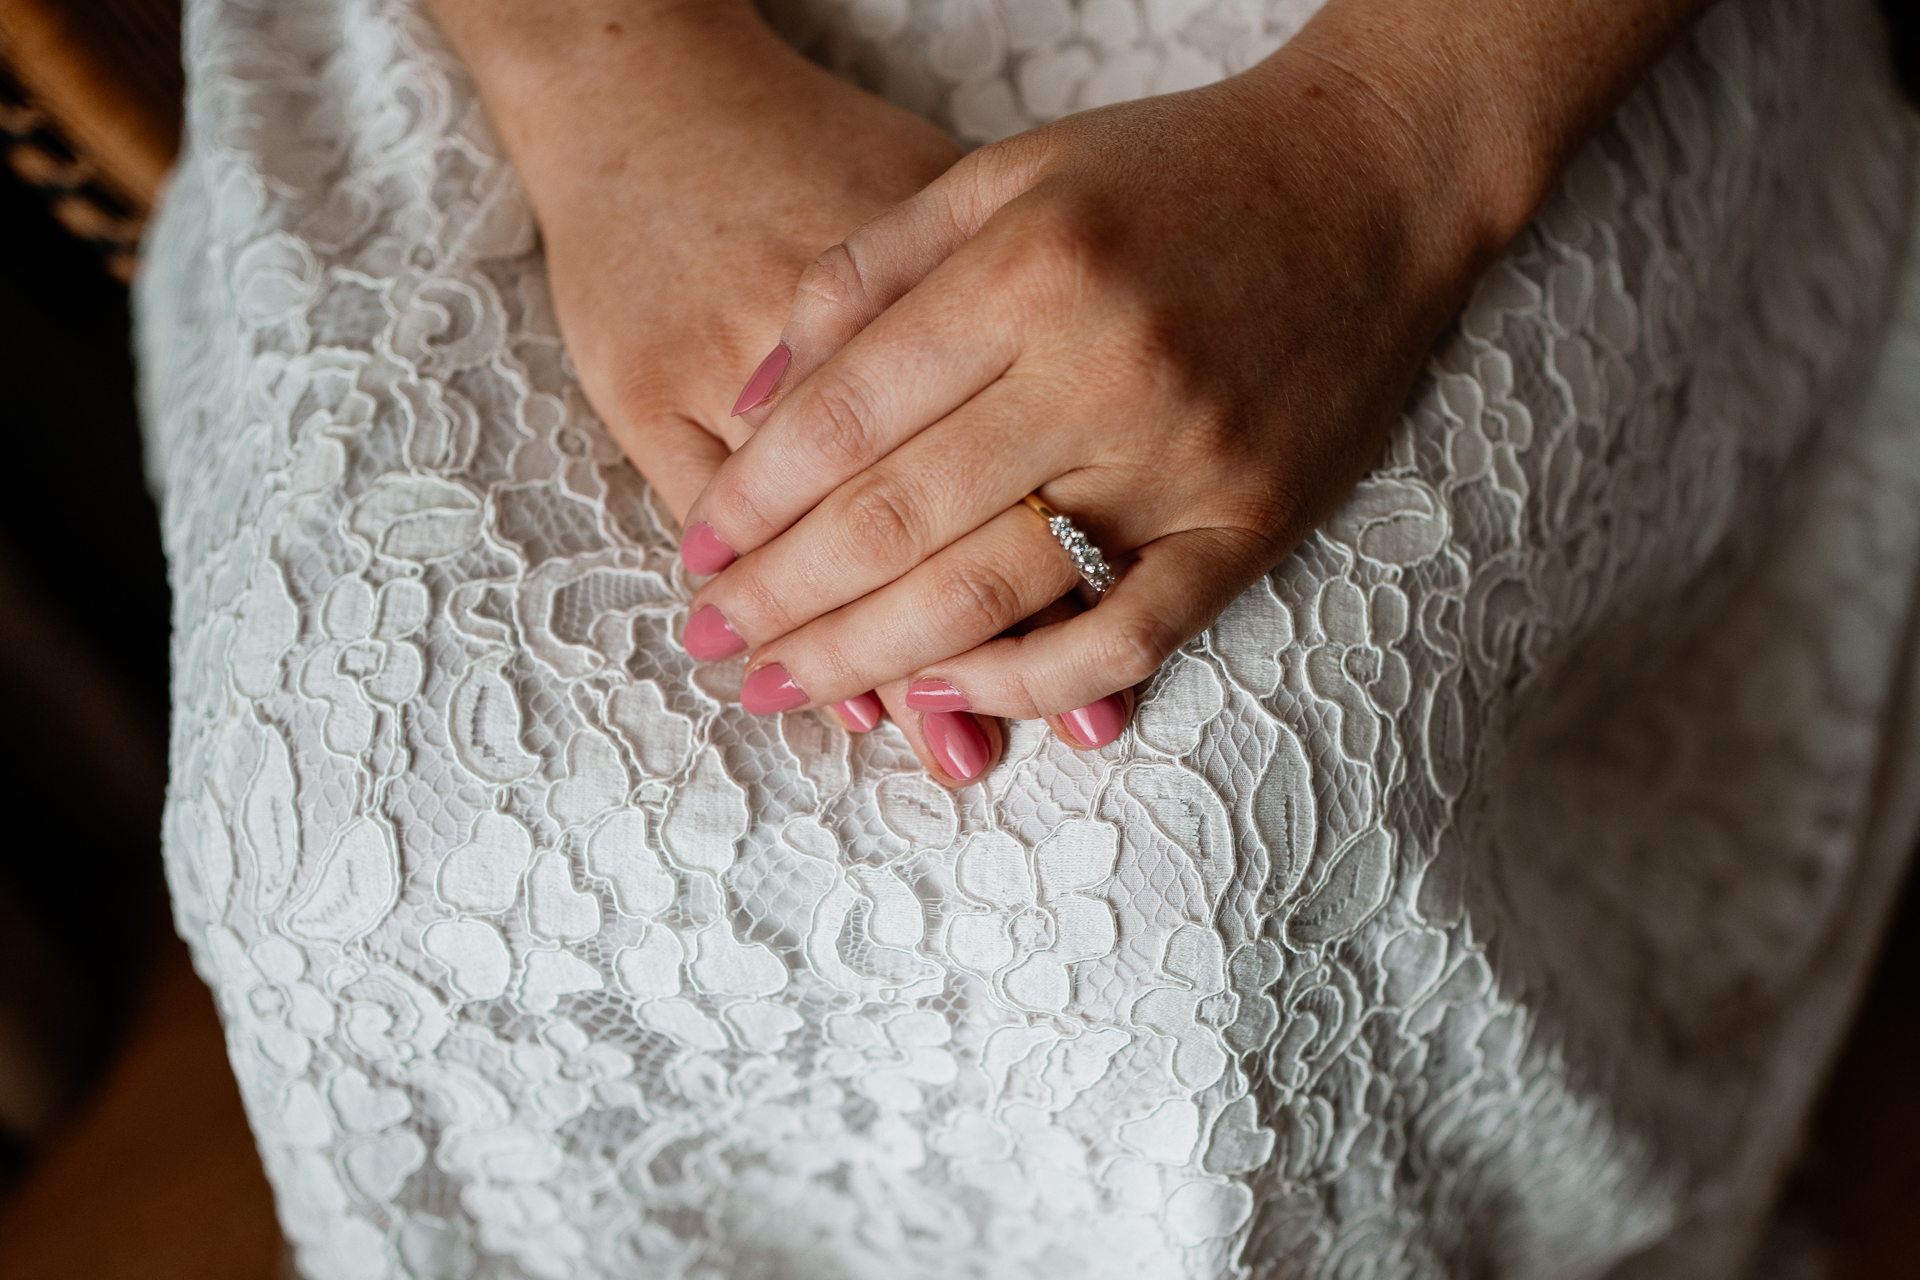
{"type": "Point", "coordinates": [1085, 556]}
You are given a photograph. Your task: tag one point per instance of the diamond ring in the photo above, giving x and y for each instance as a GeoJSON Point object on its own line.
{"type": "Point", "coordinates": [1086, 557]}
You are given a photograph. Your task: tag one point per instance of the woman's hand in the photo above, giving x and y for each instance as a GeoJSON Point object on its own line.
{"type": "Point", "coordinates": [685, 166]}
{"type": "Point", "coordinates": [1186, 321]}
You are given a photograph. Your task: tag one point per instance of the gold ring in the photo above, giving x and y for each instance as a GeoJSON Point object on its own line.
{"type": "Point", "coordinates": [1094, 569]}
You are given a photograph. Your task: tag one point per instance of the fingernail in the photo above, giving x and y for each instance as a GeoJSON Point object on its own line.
{"type": "Point", "coordinates": [764, 380]}
{"type": "Point", "coordinates": [956, 742]}
{"type": "Point", "coordinates": [709, 638]}
{"type": "Point", "coordinates": [770, 690]}
{"type": "Point", "coordinates": [703, 552]}
{"type": "Point", "coordinates": [860, 714]}
{"type": "Point", "coordinates": [1097, 723]}
{"type": "Point", "coordinates": [936, 695]}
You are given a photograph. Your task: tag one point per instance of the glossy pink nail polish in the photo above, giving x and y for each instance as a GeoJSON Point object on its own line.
{"type": "Point", "coordinates": [1097, 723]}
{"type": "Point", "coordinates": [709, 638]}
{"type": "Point", "coordinates": [860, 714]}
{"type": "Point", "coordinates": [936, 695]}
{"type": "Point", "coordinates": [764, 380]}
{"type": "Point", "coordinates": [703, 552]}
{"type": "Point", "coordinates": [957, 743]}
{"type": "Point", "coordinates": [770, 690]}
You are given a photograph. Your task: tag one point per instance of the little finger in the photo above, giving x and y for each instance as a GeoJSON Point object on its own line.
{"type": "Point", "coordinates": [676, 454]}
{"type": "Point", "coordinates": [956, 747]}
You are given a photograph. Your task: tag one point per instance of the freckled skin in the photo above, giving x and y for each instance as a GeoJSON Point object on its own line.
{"type": "Point", "coordinates": [1240, 283]}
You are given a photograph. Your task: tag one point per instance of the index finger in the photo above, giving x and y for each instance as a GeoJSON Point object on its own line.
{"type": "Point", "coordinates": [873, 352]}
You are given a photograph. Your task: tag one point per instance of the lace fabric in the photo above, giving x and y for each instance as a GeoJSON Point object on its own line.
{"type": "Point", "coordinates": [1480, 896]}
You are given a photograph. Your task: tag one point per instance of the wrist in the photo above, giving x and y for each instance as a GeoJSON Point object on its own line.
{"type": "Point", "coordinates": [508, 41]}
{"type": "Point", "coordinates": [585, 90]}
{"type": "Point", "coordinates": [1402, 200]}
{"type": "Point", "coordinates": [1411, 135]}
{"type": "Point", "coordinates": [1485, 105]}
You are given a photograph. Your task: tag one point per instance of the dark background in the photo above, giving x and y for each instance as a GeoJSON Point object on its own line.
{"type": "Point", "coordinates": [83, 645]}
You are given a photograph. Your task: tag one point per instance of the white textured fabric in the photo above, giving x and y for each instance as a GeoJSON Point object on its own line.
{"type": "Point", "coordinates": [1480, 897]}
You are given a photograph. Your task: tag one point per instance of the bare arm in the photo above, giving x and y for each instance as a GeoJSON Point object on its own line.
{"type": "Point", "coordinates": [685, 166]}
{"type": "Point", "coordinates": [1490, 100]}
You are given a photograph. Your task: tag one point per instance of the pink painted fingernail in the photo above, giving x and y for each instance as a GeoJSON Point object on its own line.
{"type": "Point", "coordinates": [770, 690]}
{"type": "Point", "coordinates": [709, 638]}
{"type": "Point", "coordinates": [703, 552]}
{"type": "Point", "coordinates": [860, 714]}
{"type": "Point", "coordinates": [1097, 723]}
{"type": "Point", "coordinates": [957, 743]}
{"type": "Point", "coordinates": [764, 380]}
{"type": "Point", "coordinates": [936, 695]}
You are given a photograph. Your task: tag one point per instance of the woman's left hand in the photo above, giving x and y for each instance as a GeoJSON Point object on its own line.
{"type": "Point", "coordinates": [1186, 321]}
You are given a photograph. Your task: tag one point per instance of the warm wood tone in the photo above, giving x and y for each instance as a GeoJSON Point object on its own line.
{"type": "Point", "coordinates": [108, 71]}
{"type": "Point", "coordinates": [158, 1179]}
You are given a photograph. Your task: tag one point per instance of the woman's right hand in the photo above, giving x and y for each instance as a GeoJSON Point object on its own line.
{"type": "Point", "coordinates": [686, 166]}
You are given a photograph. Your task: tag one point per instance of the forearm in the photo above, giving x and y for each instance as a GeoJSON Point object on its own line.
{"type": "Point", "coordinates": [1491, 99]}
{"type": "Point", "coordinates": [578, 87]}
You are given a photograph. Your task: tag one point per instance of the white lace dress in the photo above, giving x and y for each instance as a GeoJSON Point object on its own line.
{"type": "Point", "coordinates": [1481, 897]}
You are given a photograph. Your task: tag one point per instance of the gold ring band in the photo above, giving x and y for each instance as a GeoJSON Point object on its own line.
{"type": "Point", "coordinates": [1094, 569]}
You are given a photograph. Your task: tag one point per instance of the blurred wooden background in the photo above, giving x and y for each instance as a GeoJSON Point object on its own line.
{"type": "Point", "coordinates": [123, 1150]}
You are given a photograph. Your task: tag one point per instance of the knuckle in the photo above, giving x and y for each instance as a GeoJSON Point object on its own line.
{"type": "Point", "coordinates": [832, 281]}
{"type": "Point", "coordinates": [640, 392]}
{"type": "Point", "coordinates": [755, 603]}
{"type": "Point", "coordinates": [977, 601]}
{"type": "Point", "coordinates": [1159, 346]}
{"type": "Point", "coordinates": [1060, 250]}
{"type": "Point", "coordinates": [878, 519]}
{"type": "Point", "coordinates": [833, 665]}
{"type": "Point", "coordinates": [733, 507]}
{"type": "Point", "coordinates": [1135, 649]}
{"type": "Point", "coordinates": [1050, 258]}
{"type": "Point", "coordinates": [839, 431]}
{"type": "Point", "coordinates": [1062, 235]}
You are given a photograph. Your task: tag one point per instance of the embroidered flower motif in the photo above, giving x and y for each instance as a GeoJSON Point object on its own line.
{"type": "Point", "coordinates": [274, 1015]}
{"type": "Point", "coordinates": [567, 1072]}
{"type": "Point", "coordinates": [1192, 1016]}
{"type": "Point", "coordinates": [892, 1058]}
{"type": "Point", "coordinates": [1041, 920]}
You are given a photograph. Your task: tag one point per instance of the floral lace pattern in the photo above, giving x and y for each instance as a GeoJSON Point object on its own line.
{"type": "Point", "coordinates": [1478, 897]}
